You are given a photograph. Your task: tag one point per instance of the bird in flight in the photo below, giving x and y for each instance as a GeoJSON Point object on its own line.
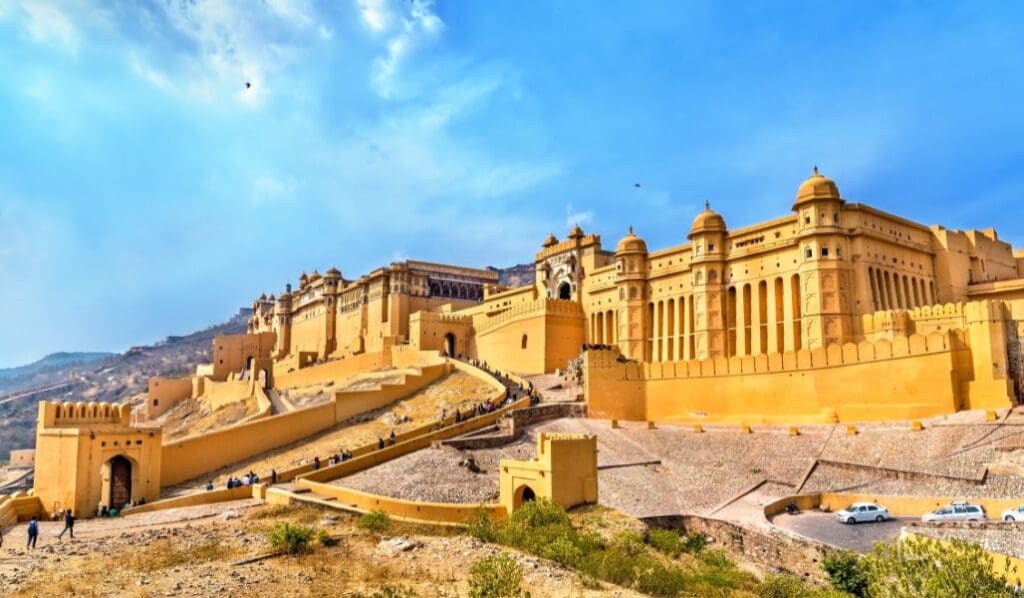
{"type": "Point", "coordinates": [637, 185]}
{"type": "Point", "coordinates": [248, 85]}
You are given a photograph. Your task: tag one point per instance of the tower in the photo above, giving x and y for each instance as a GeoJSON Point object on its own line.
{"type": "Point", "coordinates": [631, 279]}
{"type": "Point", "coordinates": [707, 258]}
{"type": "Point", "coordinates": [283, 322]}
{"type": "Point", "coordinates": [824, 263]}
{"type": "Point", "coordinates": [332, 284]}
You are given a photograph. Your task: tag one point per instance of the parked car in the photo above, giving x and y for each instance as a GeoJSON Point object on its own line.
{"type": "Point", "coordinates": [958, 511]}
{"type": "Point", "coordinates": [862, 511]}
{"type": "Point", "coordinates": [1014, 514]}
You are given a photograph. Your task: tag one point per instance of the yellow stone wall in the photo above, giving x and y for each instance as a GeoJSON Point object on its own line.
{"type": "Point", "coordinates": [564, 471]}
{"type": "Point", "coordinates": [165, 393]}
{"type": "Point", "coordinates": [74, 445]}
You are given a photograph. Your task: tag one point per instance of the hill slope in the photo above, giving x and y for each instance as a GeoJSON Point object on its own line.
{"type": "Point", "coordinates": [118, 377]}
{"type": "Point", "coordinates": [41, 372]}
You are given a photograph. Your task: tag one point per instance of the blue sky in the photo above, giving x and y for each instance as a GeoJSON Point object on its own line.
{"type": "Point", "coordinates": [145, 192]}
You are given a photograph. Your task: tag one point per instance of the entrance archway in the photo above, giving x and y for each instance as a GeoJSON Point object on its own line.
{"type": "Point", "coordinates": [564, 291]}
{"type": "Point", "coordinates": [523, 494]}
{"type": "Point", "coordinates": [449, 344]}
{"type": "Point", "coordinates": [120, 482]}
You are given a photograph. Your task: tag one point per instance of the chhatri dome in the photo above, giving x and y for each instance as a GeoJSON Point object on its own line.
{"type": "Point", "coordinates": [576, 232]}
{"type": "Point", "coordinates": [816, 187]}
{"type": "Point", "coordinates": [708, 221]}
{"type": "Point", "coordinates": [550, 241]}
{"type": "Point", "coordinates": [631, 244]}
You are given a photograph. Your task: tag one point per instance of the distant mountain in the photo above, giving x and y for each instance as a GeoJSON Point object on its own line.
{"type": "Point", "coordinates": [50, 362]}
{"type": "Point", "coordinates": [515, 276]}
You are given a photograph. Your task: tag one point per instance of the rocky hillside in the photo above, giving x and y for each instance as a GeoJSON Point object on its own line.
{"type": "Point", "coordinates": [119, 377]}
{"type": "Point", "coordinates": [515, 276]}
{"type": "Point", "coordinates": [53, 367]}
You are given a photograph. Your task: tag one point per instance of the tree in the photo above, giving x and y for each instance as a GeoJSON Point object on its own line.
{"type": "Point", "coordinates": [847, 572]}
{"type": "Point", "coordinates": [915, 567]}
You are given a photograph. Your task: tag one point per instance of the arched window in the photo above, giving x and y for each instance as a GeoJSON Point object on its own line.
{"type": "Point", "coordinates": [524, 342]}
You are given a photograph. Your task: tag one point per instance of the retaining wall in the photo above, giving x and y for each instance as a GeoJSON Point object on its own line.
{"type": "Point", "coordinates": [898, 506]}
{"type": "Point", "coordinates": [204, 497]}
{"type": "Point", "coordinates": [193, 456]}
{"type": "Point", "coordinates": [17, 507]}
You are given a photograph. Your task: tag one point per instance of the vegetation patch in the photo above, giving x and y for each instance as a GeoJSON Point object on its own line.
{"type": "Point", "coordinates": [290, 538]}
{"type": "Point", "coordinates": [376, 522]}
{"type": "Point", "coordinates": [498, 576]}
{"type": "Point", "coordinates": [543, 528]}
{"type": "Point", "coordinates": [164, 554]}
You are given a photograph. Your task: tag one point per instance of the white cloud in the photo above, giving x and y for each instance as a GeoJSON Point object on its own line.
{"type": "Point", "coordinates": [47, 24]}
{"type": "Point", "coordinates": [375, 14]}
{"type": "Point", "coordinates": [580, 217]}
{"type": "Point", "coordinates": [208, 50]}
{"type": "Point", "coordinates": [156, 77]}
{"type": "Point", "coordinates": [416, 28]}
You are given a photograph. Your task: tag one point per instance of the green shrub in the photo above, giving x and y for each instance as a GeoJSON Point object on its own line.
{"type": "Point", "coordinates": [326, 539]}
{"type": "Point", "coordinates": [781, 586]}
{"type": "Point", "coordinates": [716, 559]}
{"type": "Point", "coordinates": [497, 576]}
{"type": "Point", "coordinates": [791, 586]}
{"type": "Point", "coordinates": [847, 572]}
{"type": "Point", "coordinates": [482, 527]}
{"type": "Point", "coordinates": [665, 541]}
{"type": "Point", "coordinates": [376, 522]}
{"type": "Point", "coordinates": [290, 538]}
{"type": "Point", "coordinates": [924, 567]}
{"type": "Point", "coordinates": [628, 560]}
{"type": "Point", "coordinates": [694, 542]}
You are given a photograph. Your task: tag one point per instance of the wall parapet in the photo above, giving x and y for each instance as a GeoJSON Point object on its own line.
{"type": "Point", "coordinates": [832, 356]}
{"type": "Point", "coordinates": [19, 507]}
{"type": "Point", "coordinates": [542, 306]}
{"type": "Point", "coordinates": [54, 414]}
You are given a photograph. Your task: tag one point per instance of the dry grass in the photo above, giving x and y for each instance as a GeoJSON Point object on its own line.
{"type": "Point", "coordinates": [164, 554]}
{"type": "Point", "coordinates": [53, 583]}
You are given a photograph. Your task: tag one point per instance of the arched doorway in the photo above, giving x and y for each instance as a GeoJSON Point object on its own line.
{"type": "Point", "coordinates": [564, 291]}
{"type": "Point", "coordinates": [449, 344]}
{"type": "Point", "coordinates": [524, 494]}
{"type": "Point", "coordinates": [120, 482]}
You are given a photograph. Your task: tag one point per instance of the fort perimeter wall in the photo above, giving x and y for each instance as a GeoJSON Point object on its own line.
{"type": "Point", "coordinates": [191, 457]}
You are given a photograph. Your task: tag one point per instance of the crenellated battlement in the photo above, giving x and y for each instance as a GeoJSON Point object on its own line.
{"type": "Point", "coordinates": [832, 356]}
{"type": "Point", "coordinates": [436, 316]}
{"type": "Point", "coordinates": [56, 414]}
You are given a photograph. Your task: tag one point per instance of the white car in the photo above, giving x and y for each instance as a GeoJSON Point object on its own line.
{"type": "Point", "coordinates": [958, 511]}
{"type": "Point", "coordinates": [862, 511]}
{"type": "Point", "coordinates": [1012, 515]}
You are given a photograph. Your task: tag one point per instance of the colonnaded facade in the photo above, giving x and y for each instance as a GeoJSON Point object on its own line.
{"type": "Point", "coordinates": [832, 290]}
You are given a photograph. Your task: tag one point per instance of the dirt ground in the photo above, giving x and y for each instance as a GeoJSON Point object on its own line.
{"type": "Point", "coordinates": [197, 551]}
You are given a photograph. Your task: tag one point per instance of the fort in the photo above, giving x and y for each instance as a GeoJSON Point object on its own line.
{"type": "Point", "coordinates": [836, 313]}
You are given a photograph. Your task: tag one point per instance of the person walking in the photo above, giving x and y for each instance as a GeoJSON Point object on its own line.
{"type": "Point", "coordinates": [69, 525]}
{"type": "Point", "coordinates": [33, 532]}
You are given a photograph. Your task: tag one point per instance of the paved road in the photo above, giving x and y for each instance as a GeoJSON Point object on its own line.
{"type": "Point", "coordinates": [824, 527]}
